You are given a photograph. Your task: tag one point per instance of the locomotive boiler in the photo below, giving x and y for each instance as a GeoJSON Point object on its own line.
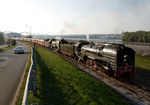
{"type": "Point", "coordinates": [113, 59]}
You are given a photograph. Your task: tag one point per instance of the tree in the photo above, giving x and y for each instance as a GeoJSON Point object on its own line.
{"type": "Point", "coordinates": [8, 42]}
{"type": "Point", "coordinates": [29, 36]}
{"type": "Point", "coordinates": [13, 42]}
{"type": "Point", "coordinates": [1, 38]}
{"type": "Point", "coordinates": [139, 36]}
{"type": "Point", "coordinates": [148, 37]}
{"type": "Point", "coordinates": [125, 36]}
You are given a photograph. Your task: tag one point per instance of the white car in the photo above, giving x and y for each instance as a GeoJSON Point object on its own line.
{"type": "Point", "coordinates": [19, 49]}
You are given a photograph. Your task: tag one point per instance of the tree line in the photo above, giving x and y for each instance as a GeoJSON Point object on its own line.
{"type": "Point", "coordinates": [1, 38]}
{"type": "Point", "coordinates": [138, 36]}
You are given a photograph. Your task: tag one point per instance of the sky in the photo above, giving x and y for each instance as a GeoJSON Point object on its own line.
{"type": "Point", "coordinates": [74, 16]}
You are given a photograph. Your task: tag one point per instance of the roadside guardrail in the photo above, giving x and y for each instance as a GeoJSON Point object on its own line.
{"type": "Point", "coordinates": [31, 82]}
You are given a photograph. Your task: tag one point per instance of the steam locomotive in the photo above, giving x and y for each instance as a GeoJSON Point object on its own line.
{"type": "Point", "coordinates": [115, 60]}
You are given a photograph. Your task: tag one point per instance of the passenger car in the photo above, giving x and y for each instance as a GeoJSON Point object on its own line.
{"type": "Point", "coordinates": [18, 49]}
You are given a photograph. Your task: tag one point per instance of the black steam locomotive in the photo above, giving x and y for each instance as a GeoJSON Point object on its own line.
{"type": "Point", "coordinates": [113, 59]}
{"type": "Point", "coordinates": [116, 60]}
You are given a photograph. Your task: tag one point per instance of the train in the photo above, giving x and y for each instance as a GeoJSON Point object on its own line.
{"type": "Point", "coordinates": [115, 60]}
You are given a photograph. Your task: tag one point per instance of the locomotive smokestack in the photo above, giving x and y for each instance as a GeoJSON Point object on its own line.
{"type": "Point", "coordinates": [87, 37]}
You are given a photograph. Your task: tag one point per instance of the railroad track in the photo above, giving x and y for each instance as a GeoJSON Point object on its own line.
{"type": "Point", "coordinates": [129, 91]}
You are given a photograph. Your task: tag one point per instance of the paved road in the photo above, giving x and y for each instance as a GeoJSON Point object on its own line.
{"type": "Point", "coordinates": [11, 69]}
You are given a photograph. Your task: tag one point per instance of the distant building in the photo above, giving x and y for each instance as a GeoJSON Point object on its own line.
{"type": "Point", "coordinates": [12, 34]}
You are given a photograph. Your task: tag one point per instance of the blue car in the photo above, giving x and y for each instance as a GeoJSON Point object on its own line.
{"type": "Point", "coordinates": [19, 49]}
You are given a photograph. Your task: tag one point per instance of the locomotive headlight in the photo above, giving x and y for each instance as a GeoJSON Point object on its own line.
{"type": "Point", "coordinates": [125, 60]}
{"type": "Point", "coordinates": [125, 56]}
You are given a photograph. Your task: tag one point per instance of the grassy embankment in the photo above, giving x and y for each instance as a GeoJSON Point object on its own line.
{"type": "Point", "coordinates": [6, 48]}
{"type": "Point", "coordinates": [60, 83]}
{"type": "Point", "coordinates": [143, 63]}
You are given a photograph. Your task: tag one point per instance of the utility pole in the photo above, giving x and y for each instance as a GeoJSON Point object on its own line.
{"type": "Point", "coordinates": [30, 28]}
{"type": "Point", "coordinates": [30, 32]}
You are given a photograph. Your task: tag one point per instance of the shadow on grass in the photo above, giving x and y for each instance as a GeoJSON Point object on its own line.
{"type": "Point", "coordinates": [142, 71]}
{"type": "Point", "coordinates": [142, 77]}
{"type": "Point", "coordinates": [49, 91]}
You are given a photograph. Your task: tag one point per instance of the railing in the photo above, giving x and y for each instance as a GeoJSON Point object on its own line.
{"type": "Point", "coordinates": [31, 79]}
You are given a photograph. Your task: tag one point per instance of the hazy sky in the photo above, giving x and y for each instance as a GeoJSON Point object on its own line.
{"type": "Point", "coordinates": [74, 16]}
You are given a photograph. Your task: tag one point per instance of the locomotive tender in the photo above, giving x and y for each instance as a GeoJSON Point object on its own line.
{"type": "Point", "coordinates": [113, 59]}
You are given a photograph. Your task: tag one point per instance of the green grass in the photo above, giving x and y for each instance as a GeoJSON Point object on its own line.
{"type": "Point", "coordinates": [6, 48]}
{"type": "Point", "coordinates": [143, 63]}
{"type": "Point", "coordinates": [60, 83]}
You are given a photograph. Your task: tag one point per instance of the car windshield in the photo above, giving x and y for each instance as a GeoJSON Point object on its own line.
{"type": "Point", "coordinates": [18, 48]}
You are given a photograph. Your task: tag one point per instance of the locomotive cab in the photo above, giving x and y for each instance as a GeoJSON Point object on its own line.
{"type": "Point", "coordinates": [78, 46]}
{"type": "Point", "coordinates": [126, 62]}
{"type": "Point", "coordinates": [77, 49]}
